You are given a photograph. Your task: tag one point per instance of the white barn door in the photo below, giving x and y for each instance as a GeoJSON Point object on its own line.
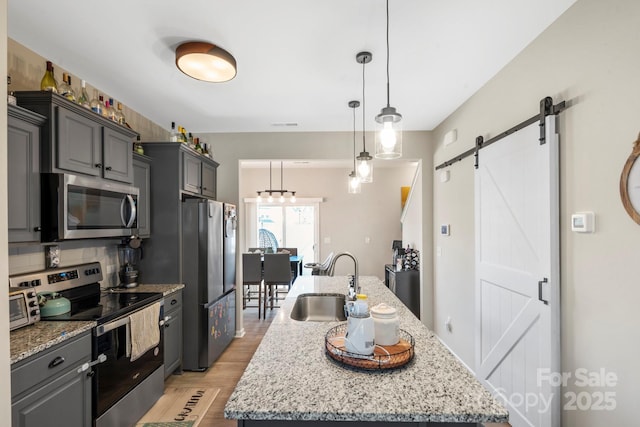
{"type": "Point", "coordinates": [517, 274]}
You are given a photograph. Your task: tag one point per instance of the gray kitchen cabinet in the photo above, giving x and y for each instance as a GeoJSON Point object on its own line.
{"type": "Point", "coordinates": [199, 175]}
{"type": "Point", "coordinates": [77, 140]}
{"type": "Point", "coordinates": [173, 333]}
{"type": "Point", "coordinates": [163, 251]}
{"type": "Point", "coordinates": [23, 174]}
{"type": "Point", "coordinates": [50, 389]}
{"type": "Point", "coordinates": [142, 180]}
{"type": "Point", "coordinates": [406, 285]}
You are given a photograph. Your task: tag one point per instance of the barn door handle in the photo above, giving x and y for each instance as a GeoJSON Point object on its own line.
{"type": "Point", "coordinates": [544, 280]}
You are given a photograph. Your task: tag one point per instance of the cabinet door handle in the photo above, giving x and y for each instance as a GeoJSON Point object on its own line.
{"type": "Point", "coordinates": [38, 228]}
{"type": "Point", "coordinates": [174, 301]}
{"type": "Point", "coordinates": [57, 361]}
{"type": "Point", "coordinates": [108, 168]}
{"type": "Point", "coordinates": [98, 165]}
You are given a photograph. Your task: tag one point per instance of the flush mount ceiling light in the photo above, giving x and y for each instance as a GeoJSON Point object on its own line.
{"type": "Point", "coordinates": [354, 181]}
{"type": "Point", "coordinates": [389, 126]}
{"type": "Point", "coordinates": [365, 167]}
{"type": "Point", "coordinates": [206, 62]}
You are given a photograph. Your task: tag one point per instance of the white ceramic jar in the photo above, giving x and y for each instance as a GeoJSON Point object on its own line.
{"type": "Point", "coordinates": [386, 324]}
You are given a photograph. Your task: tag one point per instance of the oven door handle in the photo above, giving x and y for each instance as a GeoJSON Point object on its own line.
{"type": "Point", "coordinates": [85, 366]}
{"type": "Point", "coordinates": [107, 327]}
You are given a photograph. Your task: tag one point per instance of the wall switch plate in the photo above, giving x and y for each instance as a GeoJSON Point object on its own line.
{"type": "Point", "coordinates": [444, 229]}
{"type": "Point", "coordinates": [583, 222]}
{"type": "Point", "coordinates": [327, 240]}
{"type": "Point", "coordinates": [445, 176]}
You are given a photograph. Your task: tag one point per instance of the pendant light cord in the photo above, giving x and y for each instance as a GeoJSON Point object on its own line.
{"type": "Point", "coordinates": [354, 139]}
{"type": "Point", "coordinates": [281, 174]}
{"type": "Point", "coordinates": [270, 178]}
{"type": "Point", "coordinates": [388, 91]}
{"type": "Point", "coordinates": [364, 145]}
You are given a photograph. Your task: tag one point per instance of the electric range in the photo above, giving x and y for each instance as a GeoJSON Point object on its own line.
{"type": "Point", "coordinates": [123, 389]}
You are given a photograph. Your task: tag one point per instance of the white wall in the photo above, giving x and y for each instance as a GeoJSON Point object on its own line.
{"type": "Point", "coordinates": [412, 231]}
{"type": "Point", "coordinates": [588, 57]}
{"type": "Point", "coordinates": [346, 219]}
{"type": "Point", "coordinates": [5, 377]}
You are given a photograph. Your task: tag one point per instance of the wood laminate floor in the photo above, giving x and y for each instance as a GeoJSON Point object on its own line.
{"type": "Point", "coordinates": [227, 370]}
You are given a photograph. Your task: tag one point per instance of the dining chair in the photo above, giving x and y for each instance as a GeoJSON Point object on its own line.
{"type": "Point", "coordinates": [252, 280]}
{"type": "Point", "coordinates": [277, 279]}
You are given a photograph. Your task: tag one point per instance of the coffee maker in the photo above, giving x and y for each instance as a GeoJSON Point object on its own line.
{"type": "Point", "coordinates": [129, 255]}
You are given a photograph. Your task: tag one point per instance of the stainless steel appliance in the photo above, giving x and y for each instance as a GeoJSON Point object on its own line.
{"type": "Point", "coordinates": [123, 390]}
{"type": "Point", "coordinates": [76, 207]}
{"type": "Point", "coordinates": [23, 308]}
{"type": "Point", "coordinates": [208, 273]}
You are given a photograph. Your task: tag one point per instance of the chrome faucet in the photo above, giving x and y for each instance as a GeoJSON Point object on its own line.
{"type": "Point", "coordinates": [354, 286]}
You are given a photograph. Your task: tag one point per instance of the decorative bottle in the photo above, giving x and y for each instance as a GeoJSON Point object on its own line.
{"type": "Point", "coordinates": [174, 134]}
{"type": "Point", "coordinates": [65, 88]}
{"type": "Point", "coordinates": [48, 81]}
{"type": "Point", "coordinates": [120, 115]}
{"type": "Point", "coordinates": [105, 106]}
{"type": "Point", "coordinates": [83, 98]}
{"type": "Point", "coordinates": [96, 103]}
{"type": "Point", "coordinates": [111, 111]}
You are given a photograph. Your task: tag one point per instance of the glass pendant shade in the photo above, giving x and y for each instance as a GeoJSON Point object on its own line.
{"type": "Point", "coordinates": [270, 198]}
{"type": "Point", "coordinates": [354, 183]}
{"type": "Point", "coordinates": [388, 134]}
{"type": "Point", "coordinates": [293, 197]}
{"type": "Point", "coordinates": [364, 166]}
{"type": "Point", "coordinates": [259, 199]}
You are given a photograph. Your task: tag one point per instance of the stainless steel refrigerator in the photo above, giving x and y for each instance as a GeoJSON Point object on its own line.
{"type": "Point", "coordinates": [208, 273]}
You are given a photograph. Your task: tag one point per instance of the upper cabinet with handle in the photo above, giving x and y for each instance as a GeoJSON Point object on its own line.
{"type": "Point", "coordinates": [78, 140]}
{"type": "Point", "coordinates": [23, 174]}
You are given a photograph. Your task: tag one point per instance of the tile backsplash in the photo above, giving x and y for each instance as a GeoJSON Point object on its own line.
{"type": "Point", "coordinates": [28, 258]}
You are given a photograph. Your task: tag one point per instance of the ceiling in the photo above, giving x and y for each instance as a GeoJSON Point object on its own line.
{"type": "Point", "coordinates": [296, 58]}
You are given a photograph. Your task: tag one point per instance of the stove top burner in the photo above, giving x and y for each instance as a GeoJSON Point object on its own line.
{"type": "Point", "coordinates": [106, 305]}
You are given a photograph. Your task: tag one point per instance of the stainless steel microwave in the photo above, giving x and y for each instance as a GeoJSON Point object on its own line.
{"type": "Point", "coordinates": [78, 207]}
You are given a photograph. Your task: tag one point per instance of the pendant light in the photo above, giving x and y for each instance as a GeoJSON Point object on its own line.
{"type": "Point", "coordinates": [354, 181]}
{"type": "Point", "coordinates": [365, 167]}
{"type": "Point", "coordinates": [281, 190]}
{"type": "Point", "coordinates": [389, 122]}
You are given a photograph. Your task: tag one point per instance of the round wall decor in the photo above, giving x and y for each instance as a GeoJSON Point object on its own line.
{"type": "Point", "coordinates": [630, 183]}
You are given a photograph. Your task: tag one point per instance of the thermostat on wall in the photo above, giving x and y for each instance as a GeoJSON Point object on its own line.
{"type": "Point", "coordinates": [583, 222]}
{"type": "Point", "coordinates": [444, 229]}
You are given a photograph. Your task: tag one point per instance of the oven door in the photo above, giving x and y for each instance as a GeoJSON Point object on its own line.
{"type": "Point", "coordinates": [118, 375]}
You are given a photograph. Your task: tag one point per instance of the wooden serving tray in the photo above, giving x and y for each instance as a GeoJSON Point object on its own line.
{"type": "Point", "coordinates": [395, 355]}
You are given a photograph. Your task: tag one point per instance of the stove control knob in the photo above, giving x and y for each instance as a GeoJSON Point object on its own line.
{"type": "Point", "coordinates": [35, 312]}
{"type": "Point", "coordinates": [33, 303]}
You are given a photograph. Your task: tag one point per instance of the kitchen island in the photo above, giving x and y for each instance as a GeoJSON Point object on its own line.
{"type": "Point", "coordinates": [290, 381]}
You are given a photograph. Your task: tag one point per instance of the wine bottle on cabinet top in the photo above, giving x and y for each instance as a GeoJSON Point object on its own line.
{"type": "Point", "coordinates": [120, 115]}
{"type": "Point", "coordinates": [96, 103]}
{"type": "Point", "coordinates": [174, 134]}
{"type": "Point", "coordinates": [65, 88]}
{"type": "Point", "coordinates": [48, 81]}
{"type": "Point", "coordinates": [83, 98]}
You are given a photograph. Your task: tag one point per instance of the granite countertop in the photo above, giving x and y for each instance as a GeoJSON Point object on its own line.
{"type": "Point", "coordinates": [166, 289]}
{"type": "Point", "coordinates": [32, 339]}
{"type": "Point", "coordinates": [291, 378]}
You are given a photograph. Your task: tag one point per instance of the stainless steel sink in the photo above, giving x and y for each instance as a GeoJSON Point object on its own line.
{"type": "Point", "coordinates": [319, 307]}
